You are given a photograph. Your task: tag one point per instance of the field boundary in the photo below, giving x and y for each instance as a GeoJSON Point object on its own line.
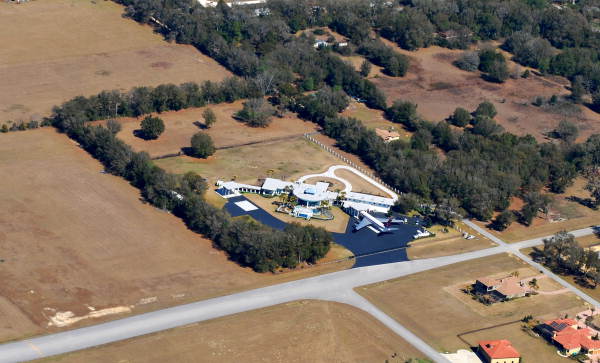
{"type": "Point", "coordinates": [264, 141]}
{"type": "Point", "coordinates": [349, 162]}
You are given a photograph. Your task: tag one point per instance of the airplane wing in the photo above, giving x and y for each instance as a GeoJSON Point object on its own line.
{"type": "Point", "coordinates": [362, 224]}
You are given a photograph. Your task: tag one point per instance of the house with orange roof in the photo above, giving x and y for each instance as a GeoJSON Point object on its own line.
{"type": "Point", "coordinates": [498, 351]}
{"type": "Point", "coordinates": [503, 288]}
{"type": "Point", "coordinates": [572, 340]}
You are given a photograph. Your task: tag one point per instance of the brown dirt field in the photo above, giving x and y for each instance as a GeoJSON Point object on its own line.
{"type": "Point", "coordinates": [438, 88]}
{"type": "Point", "coordinates": [357, 61]}
{"type": "Point", "coordinates": [180, 126]}
{"type": "Point", "coordinates": [436, 310]}
{"type": "Point", "coordinates": [54, 50]}
{"type": "Point", "coordinates": [373, 119]}
{"type": "Point", "coordinates": [287, 160]}
{"type": "Point", "coordinates": [338, 224]}
{"type": "Point", "coordinates": [359, 184]}
{"type": "Point", "coordinates": [577, 216]}
{"type": "Point", "coordinates": [301, 331]}
{"type": "Point", "coordinates": [73, 238]}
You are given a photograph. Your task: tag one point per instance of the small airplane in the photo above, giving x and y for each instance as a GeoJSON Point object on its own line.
{"type": "Point", "coordinates": [376, 225]}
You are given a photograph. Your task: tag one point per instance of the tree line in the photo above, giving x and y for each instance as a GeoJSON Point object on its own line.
{"type": "Point", "coordinates": [246, 241]}
{"type": "Point", "coordinates": [562, 253]}
{"type": "Point", "coordinates": [484, 166]}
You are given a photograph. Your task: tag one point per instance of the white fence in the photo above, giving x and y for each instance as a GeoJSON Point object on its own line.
{"type": "Point", "coordinates": [350, 162]}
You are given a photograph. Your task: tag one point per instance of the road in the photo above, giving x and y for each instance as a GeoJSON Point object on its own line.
{"type": "Point", "coordinates": [338, 286]}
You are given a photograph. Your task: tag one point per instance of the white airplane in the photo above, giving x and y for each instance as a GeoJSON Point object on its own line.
{"type": "Point", "coordinates": [378, 226]}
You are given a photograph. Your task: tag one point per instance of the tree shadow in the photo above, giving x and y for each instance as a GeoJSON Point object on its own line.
{"type": "Point", "coordinates": [200, 125]}
{"type": "Point", "coordinates": [140, 134]}
{"type": "Point", "coordinates": [586, 202]}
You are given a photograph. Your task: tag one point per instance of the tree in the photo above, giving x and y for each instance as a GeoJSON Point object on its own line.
{"type": "Point", "coordinates": [209, 117]}
{"type": "Point", "coordinates": [534, 202]}
{"type": "Point", "coordinates": [498, 72]}
{"type": "Point", "coordinates": [202, 145]}
{"type": "Point", "coordinates": [593, 184]}
{"type": "Point", "coordinates": [113, 126]}
{"type": "Point", "coordinates": [566, 131]}
{"type": "Point", "coordinates": [152, 127]}
{"type": "Point", "coordinates": [403, 112]}
{"type": "Point", "coordinates": [486, 108]}
{"type": "Point", "coordinates": [460, 117]}
{"type": "Point", "coordinates": [194, 183]}
{"type": "Point", "coordinates": [256, 113]}
{"type": "Point", "coordinates": [365, 68]}
{"type": "Point", "coordinates": [577, 89]}
{"type": "Point", "coordinates": [468, 61]}
{"type": "Point", "coordinates": [503, 220]}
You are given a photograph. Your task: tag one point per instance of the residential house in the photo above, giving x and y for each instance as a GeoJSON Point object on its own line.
{"type": "Point", "coordinates": [566, 334]}
{"type": "Point", "coordinates": [386, 135]}
{"type": "Point", "coordinates": [498, 351]}
{"type": "Point", "coordinates": [503, 288]}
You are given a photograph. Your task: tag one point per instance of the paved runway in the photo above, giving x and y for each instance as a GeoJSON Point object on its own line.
{"type": "Point", "coordinates": [338, 286]}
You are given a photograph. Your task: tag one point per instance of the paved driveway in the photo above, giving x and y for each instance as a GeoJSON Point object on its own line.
{"type": "Point", "coordinates": [369, 247]}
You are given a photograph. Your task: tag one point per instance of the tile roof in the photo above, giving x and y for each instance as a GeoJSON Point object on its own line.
{"type": "Point", "coordinates": [572, 338]}
{"type": "Point", "coordinates": [507, 286]}
{"type": "Point", "coordinates": [560, 324]}
{"type": "Point", "coordinates": [498, 349]}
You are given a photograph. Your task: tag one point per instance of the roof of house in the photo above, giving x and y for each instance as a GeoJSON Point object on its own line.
{"type": "Point", "coordinates": [369, 198]}
{"type": "Point", "coordinates": [385, 134]}
{"type": "Point", "coordinates": [560, 324]}
{"type": "Point", "coordinates": [572, 338]}
{"type": "Point", "coordinates": [498, 349]}
{"type": "Point", "coordinates": [507, 286]}
{"type": "Point", "coordinates": [275, 184]}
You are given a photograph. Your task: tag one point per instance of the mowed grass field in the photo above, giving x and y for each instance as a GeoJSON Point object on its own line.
{"type": "Point", "coordinates": [432, 306]}
{"type": "Point", "coordinates": [438, 87]}
{"type": "Point", "coordinates": [54, 50]}
{"type": "Point", "coordinates": [180, 126]}
{"type": "Point", "coordinates": [301, 331]}
{"type": "Point", "coordinates": [447, 243]}
{"type": "Point", "coordinates": [286, 159]}
{"type": "Point", "coordinates": [73, 240]}
{"type": "Point", "coordinates": [575, 216]}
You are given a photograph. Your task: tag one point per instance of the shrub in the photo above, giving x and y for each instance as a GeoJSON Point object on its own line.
{"type": "Point", "coordinates": [209, 117]}
{"type": "Point", "coordinates": [486, 108]}
{"type": "Point", "coordinates": [202, 145]}
{"type": "Point", "coordinates": [469, 61]}
{"type": "Point", "coordinates": [152, 127]}
{"type": "Point", "coordinates": [256, 113]}
{"type": "Point", "coordinates": [460, 117]}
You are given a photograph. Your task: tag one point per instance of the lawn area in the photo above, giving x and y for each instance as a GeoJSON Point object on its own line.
{"type": "Point", "coordinates": [181, 125]}
{"type": "Point", "coordinates": [287, 160]}
{"type": "Point", "coordinates": [432, 305]}
{"type": "Point", "coordinates": [532, 349]}
{"type": "Point", "coordinates": [587, 241]}
{"type": "Point", "coordinates": [300, 331]}
{"type": "Point", "coordinates": [447, 243]}
{"type": "Point", "coordinates": [54, 50]}
{"type": "Point", "coordinates": [337, 224]}
{"type": "Point", "coordinates": [373, 119]}
{"type": "Point", "coordinates": [359, 184]}
{"type": "Point", "coordinates": [357, 61]}
{"type": "Point", "coordinates": [576, 216]}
